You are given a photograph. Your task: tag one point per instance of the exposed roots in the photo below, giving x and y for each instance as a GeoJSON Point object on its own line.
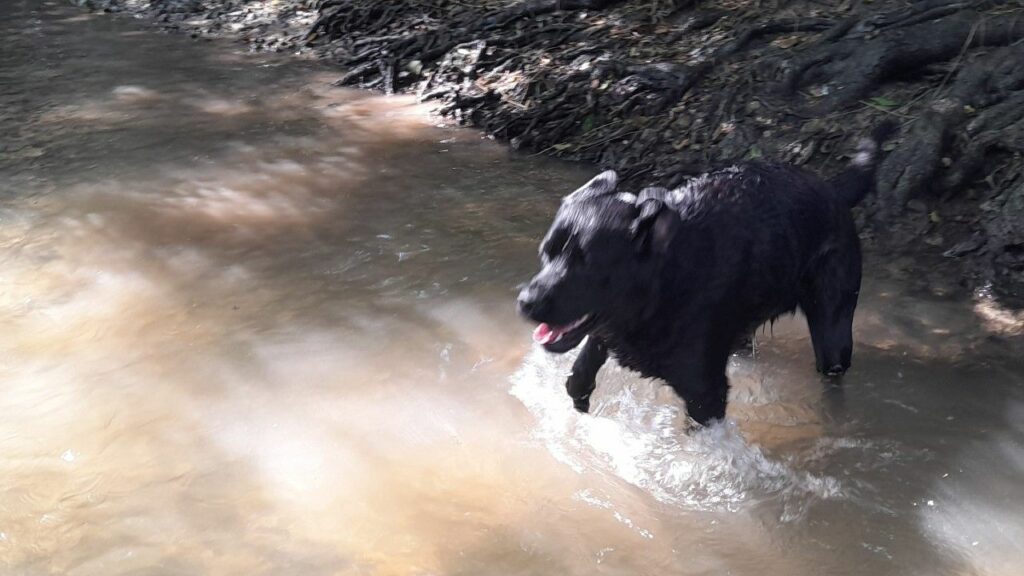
{"type": "Point", "coordinates": [992, 82]}
{"type": "Point", "coordinates": [661, 89]}
{"type": "Point", "coordinates": [886, 46]}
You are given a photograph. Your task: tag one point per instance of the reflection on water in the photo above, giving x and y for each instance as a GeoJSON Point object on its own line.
{"type": "Point", "coordinates": [254, 324]}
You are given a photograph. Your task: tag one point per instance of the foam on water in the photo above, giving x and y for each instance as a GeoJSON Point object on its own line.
{"type": "Point", "coordinates": [639, 433]}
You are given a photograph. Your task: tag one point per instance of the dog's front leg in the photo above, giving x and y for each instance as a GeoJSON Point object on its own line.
{"type": "Point", "coordinates": [700, 381]}
{"type": "Point", "coordinates": [583, 379]}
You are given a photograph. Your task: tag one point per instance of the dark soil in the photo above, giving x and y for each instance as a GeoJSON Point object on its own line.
{"type": "Point", "coordinates": [663, 89]}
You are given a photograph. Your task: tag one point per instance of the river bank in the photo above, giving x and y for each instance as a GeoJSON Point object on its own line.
{"type": "Point", "coordinates": [662, 90]}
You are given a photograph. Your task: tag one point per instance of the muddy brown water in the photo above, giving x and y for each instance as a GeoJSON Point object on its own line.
{"type": "Point", "coordinates": [255, 324]}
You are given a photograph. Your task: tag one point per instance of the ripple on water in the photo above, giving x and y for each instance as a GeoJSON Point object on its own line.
{"type": "Point", "coordinates": [638, 434]}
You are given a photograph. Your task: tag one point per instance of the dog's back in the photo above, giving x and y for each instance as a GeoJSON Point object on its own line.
{"type": "Point", "coordinates": [752, 232]}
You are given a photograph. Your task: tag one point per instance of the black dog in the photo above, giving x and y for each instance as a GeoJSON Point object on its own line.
{"type": "Point", "coordinates": [669, 281]}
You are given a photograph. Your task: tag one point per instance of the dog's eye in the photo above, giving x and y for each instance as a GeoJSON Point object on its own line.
{"type": "Point", "coordinates": [556, 244]}
{"type": "Point", "coordinates": [575, 253]}
{"type": "Point", "coordinates": [569, 244]}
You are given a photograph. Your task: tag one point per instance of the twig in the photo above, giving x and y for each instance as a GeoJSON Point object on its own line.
{"type": "Point", "coordinates": [883, 109]}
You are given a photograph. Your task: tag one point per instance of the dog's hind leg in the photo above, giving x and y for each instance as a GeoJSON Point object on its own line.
{"type": "Point", "coordinates": [583, 379]}
{"type": "Point", "coordinates": [829, 301]}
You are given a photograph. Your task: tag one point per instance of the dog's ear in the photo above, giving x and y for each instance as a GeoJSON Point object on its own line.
{"type": "Point", "coordinates": [651, 231]}
{"type": "Point", "coordinates": [603, 183]}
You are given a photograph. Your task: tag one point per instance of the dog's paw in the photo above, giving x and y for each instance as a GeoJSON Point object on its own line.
{"type": "Point", "coordinates": [835, 370]}
{"type": "Point", "coordinates": [582, 404]}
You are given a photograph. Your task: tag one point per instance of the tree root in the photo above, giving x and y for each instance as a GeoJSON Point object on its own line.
{"type": "Point", "coordinates": [985, 82]}
{"type": "Point", "coordinates": [883, 47]}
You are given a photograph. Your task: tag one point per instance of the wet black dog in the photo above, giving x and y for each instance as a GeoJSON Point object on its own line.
{"type": "Point", "coordinates": [668, 281]}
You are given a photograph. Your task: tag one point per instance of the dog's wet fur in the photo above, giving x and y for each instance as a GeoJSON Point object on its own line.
{"type": "Point", "coordinates": [668, 281]}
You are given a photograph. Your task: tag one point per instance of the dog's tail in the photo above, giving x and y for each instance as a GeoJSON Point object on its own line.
{"type": "Point", "coordinates": [854, 183]}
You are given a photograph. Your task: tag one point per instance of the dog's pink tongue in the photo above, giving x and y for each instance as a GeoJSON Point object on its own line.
{"type": "Point", "coordinates": [544, 334]}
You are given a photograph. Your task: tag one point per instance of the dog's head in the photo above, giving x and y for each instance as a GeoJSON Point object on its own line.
{"type": "Point", "coordinates": [602, 246]}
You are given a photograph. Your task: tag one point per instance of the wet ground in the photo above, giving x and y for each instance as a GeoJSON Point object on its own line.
{"type": "Point", "coordinates": [256, 324]}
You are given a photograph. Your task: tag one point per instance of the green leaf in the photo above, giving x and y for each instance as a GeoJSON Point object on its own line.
{"type": "Point", "coordinates": [883, 102]}
{"type": "Point", "coordinates": [561, 147]}
{"type": "Point", "coordinates": [588, 123]}
{"type": "Point", "coordinates": [754, 152]}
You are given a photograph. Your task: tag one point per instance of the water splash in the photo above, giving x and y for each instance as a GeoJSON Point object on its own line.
{"type": "Point", "coordinates": [639, 434]}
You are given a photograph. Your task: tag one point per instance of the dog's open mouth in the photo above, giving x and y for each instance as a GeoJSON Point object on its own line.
{"type": "Point", "coordinates": [561, 338]}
